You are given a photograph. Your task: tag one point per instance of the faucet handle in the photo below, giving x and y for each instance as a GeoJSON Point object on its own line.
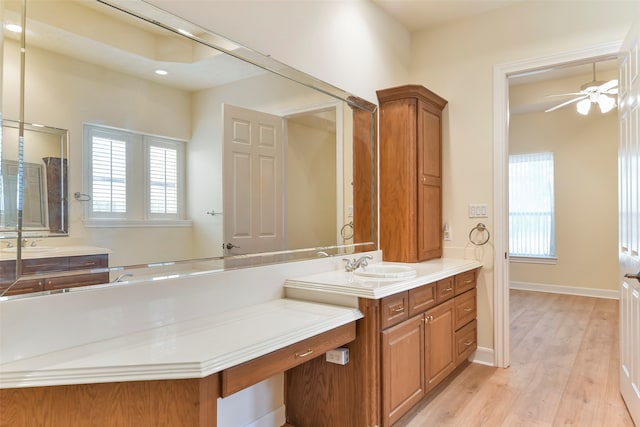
{"type": "Point", "coordinates": [348, 264]}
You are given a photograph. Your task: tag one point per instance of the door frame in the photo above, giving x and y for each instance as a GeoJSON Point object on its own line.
{"type": "Point", "coordinates": [501, 73]}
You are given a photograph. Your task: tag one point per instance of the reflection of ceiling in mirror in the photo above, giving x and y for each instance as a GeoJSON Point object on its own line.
{"type": "Point", "coordinates": [140, 50]}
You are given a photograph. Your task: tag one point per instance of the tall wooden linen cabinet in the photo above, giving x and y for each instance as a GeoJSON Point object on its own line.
{"type": "Point", "coordinates": [410, 173]}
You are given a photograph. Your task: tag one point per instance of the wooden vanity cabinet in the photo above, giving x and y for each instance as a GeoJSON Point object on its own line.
{"type": "Point", "coordinates": [410, 173]}
{"type": "Point", "coordinates": [53, 273]}
{"type": "Point", "coordinates": [405, 345]}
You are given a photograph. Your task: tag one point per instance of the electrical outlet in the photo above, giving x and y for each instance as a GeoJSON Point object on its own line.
{"type": "Point", "coordinates": [447, 234]}
{"type": "Point", "coordinates": [339, 356]}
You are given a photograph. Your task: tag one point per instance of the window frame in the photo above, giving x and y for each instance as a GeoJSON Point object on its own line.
{"type": "Point", "coordinates": [551, 257]}
{"type": "Point", "coordinates": [138, 211]}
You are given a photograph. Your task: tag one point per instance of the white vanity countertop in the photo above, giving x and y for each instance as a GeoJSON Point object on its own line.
{"type": "Point", "coordinates": [36, 252]}
{"type": "Point", "coordinates": [344, 283]}
{"type": "Point", "coordinates": [189, 349]}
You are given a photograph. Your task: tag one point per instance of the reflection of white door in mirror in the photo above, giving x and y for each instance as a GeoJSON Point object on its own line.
{"type": "Point", "coordinates": [253, 154]}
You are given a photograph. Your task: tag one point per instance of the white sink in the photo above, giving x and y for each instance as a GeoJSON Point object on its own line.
{"type": "Point", "coordinates": [386, 271]}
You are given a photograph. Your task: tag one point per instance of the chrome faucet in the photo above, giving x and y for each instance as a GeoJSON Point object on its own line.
{"type": "Point", "coordinates": [121, 277]}
{"type": "Point", "coordinates": [353, 264]}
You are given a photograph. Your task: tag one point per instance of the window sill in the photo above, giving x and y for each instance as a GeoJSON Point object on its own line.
{"type": "Point", "coordinates": [137, 223]}
{"type": "Point", "coordinates": [533, 260]}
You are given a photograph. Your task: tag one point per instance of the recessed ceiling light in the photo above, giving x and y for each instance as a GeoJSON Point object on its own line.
{"type": "Point", "coordinates": [14, 28]}
{"type": "Point", "coordinates": [161, 72]}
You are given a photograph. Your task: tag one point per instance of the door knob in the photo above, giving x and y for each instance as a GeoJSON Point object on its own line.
{"type": "Point", "coordinates": [633, 276]}
{"type": "Point", "coordinates": [230, 246]}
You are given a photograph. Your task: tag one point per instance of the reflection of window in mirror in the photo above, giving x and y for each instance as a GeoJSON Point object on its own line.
{"type": "Point", "coordinates": [132, 176]}
{"type": "Point", "coordinates": [34, 195]}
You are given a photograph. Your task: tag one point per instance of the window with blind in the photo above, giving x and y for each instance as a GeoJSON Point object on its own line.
{"type": "Point", "coordinates": [531, 206]}
{"type": "Point", "coordinates": [132, 177]}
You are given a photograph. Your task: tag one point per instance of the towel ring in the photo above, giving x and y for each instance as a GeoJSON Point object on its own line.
{"type": "Point", "coordinates": [481, 228]}
{"type": "Point", "coordinates": [344, 228]}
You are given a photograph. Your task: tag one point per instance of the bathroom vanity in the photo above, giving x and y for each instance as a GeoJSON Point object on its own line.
{"type": "Point", "coordinates": [414, 333]}
{"type": "Point", "coordinates": [53, 268]}
{"type": "Point", "coordinates": [171, 375]}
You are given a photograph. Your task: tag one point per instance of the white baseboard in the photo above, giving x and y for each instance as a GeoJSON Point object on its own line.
{"type": "Point", "coordinates": [274, 418]}
{"type": "Point", "coordinates": [483, 356]}
{"type": "Point", "coordinates": [568, 290]}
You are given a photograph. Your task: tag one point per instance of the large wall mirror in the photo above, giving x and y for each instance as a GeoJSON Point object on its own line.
{"type": "Point", "coordinates": [167, 149]}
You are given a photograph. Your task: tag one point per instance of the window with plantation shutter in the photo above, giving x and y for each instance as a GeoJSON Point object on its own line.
{"type": "Point", "coordinates": [133, 179]}
{"type": "Point", "coordinates": [108, 175]}
{"type": "Point", "coordinates": [162, 178]}
{"type": "Point", "coordinates": [531, 206]}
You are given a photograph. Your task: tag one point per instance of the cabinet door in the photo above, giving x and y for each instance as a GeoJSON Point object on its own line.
{"type": "Point", "coordinates": [402, 368]}
{"type": "Point", "coordinates": [429, 182]}
{"type": "Point", "coordinates": [439, 334]}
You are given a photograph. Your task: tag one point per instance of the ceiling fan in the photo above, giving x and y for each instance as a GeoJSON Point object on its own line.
{"type": "Point", "coordinates": [594, 92]}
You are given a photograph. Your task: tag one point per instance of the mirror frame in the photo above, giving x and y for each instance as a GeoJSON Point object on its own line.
{"type": "Point", "coordinates": [364, 152]}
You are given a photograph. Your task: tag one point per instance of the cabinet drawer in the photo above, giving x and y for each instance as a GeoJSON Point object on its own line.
{"type": "Point", "coordinates": [7, 272]}
{"type": "Point", "coordinates": [465, 281]}
{"type": "Point", "coordinates": [252, 372]}
{"type": "Point", "coordinates": [45, 265]}
{"type": "Point", "coordinates": [63, 282]}
{"type": "Point", "coordinates": [465, 308]}
{"type": "Point", "coordinates": [394, 309]}
{"type": "Point", "coordinates": [24, 287]}
{"type": "Point", "coordinates": [466, 341]}
{"type": "Point", "coordinates": [421, 299]}
{"type": "Point", "coordinates": [444, 289]}
{"type": "Point", "coordinates": [88, 261]}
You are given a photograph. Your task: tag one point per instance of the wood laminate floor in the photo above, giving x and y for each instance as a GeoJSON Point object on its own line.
{"type": "Point", "coordinates": [564, 371]}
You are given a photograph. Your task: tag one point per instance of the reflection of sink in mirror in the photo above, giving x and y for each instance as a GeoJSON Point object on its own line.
{"type": "Point", "coordinates": [386, 271]}
{"type": "Point", "coordinates": [28, 249]}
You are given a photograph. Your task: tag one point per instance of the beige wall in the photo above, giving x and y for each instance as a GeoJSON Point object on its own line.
{"type": "Point", "coordinates": [585, 156]}
{"type": "Point", "coordinates": [311, 186]}
{"type": "Point", "coordinates": [456, 61]}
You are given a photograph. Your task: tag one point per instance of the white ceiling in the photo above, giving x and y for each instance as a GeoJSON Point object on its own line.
{"type": "Point", "coordinates": [420, 14]}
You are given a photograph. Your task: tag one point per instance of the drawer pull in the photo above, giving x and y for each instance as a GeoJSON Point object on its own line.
{"type": "Point", "coordinates": [468, 343]}
{"type": "Point", "coordinates": [398, 309]}
{"type": "Point", "coordinates": [468, 309]}
{"type": "Point", "coordinates": [466, 282]}
{"type": "Point", "coordinates": [304, 354]}
{"type": "Point", "coordinates": [447, 290]}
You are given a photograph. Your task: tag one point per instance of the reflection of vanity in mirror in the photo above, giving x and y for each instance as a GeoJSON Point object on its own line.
{"type": "Point", "coordinates": [186, 152]}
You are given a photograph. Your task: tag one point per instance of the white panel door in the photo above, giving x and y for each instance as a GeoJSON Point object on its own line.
{"type": "Point", "coordinates": [253, 175]}
{"type": "Point", "coordinates": [629, 222]}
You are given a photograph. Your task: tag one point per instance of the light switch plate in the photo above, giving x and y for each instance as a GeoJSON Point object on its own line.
{"type": "Point", "coordinates": [478, 210]}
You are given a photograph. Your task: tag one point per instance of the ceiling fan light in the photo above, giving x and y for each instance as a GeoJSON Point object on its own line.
{"type": "Point", "coordinates": [584, 106]}
{"type": "Point", "coordinates": [606, 103]}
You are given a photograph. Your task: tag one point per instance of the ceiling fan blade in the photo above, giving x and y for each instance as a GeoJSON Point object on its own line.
{"type": "Point", "coordinates": [613, 91]}
{"type": "Point", "coordinates": [566, 103]}
{"type": "Point", "coordinates": [608, 85]}
{"type": "Point", "coordinates": [566, 94]}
